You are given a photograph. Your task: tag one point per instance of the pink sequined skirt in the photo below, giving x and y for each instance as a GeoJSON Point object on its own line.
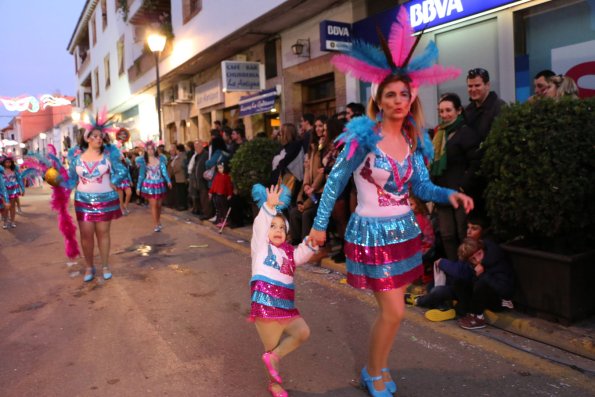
{"type": "Point", "coordinates": [272, 301]}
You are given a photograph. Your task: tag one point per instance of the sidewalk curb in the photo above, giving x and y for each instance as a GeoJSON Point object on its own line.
{"type": "Point", "coordinates": [514, 322]}
{"type": "Point", "coordinates": [520, 324]}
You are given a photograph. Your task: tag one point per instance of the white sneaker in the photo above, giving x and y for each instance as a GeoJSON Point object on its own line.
{"type": "Point", "coordinates": [213, 219]}
{"type": "Point", "coordinates": [19, 212]}
{"type": "Point", "coordinates": [158, 228]}
{"type": "Point", "coordinates": [13, 225]}
{"type": "Point", "coordinates": [5, 225]}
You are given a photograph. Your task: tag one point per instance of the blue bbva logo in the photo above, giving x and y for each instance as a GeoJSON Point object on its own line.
{"type": "Point", "coordinates": [428, 10]}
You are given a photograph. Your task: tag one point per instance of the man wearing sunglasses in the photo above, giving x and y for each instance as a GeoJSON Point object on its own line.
{"type": "Point", "coordinates": [485, 104]}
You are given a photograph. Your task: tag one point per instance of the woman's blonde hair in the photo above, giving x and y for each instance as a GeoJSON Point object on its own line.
{"type": "Point", "coordinates": [287, 134]}
{"type": "Point", "coordinates": [413, 124]}
{"type": "Point", "coordinates": [565, 86]}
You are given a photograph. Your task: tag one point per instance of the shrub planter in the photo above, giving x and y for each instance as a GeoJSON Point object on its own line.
{"type": "Point", "coordinates": [552, 286]}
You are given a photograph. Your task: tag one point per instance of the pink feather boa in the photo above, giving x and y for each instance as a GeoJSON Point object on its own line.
{"type": "Point", "coordinates": [59, 203]}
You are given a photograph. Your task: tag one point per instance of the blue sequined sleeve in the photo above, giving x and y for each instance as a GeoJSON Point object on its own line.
{"type": "Point", "coordinates": [3, 190]}
{"type": "Point", "coordinates": [163, 168]}
{"type": "Point", "coordinates": [421, 185]}
{"type": "Point", "coordinates": [335, 184]}
{"type": "Point", "coordinates": [73, 177]}
{"type": "Point", "coordinates": [19, 177]}
{"type": "Point", "coordinates": [142, 171]}
{"type": "Point", "coordinates": [118, 172]}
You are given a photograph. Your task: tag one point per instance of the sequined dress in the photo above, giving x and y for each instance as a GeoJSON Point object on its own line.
{"type": "Point", "coordinates": [13, 183]}
{"type": "Point", "coordinates": [152, 179]}
{"type": "Point", "coordinates": [127, 181]}
{"type": "Point", "coordinates": [382, 240]}
{"type": "Point", "coordinates": [95, 200]}
{"type": "Point", "coordinates": [3, 191]}
{"type": "Point", "coordinates": [271, 285]}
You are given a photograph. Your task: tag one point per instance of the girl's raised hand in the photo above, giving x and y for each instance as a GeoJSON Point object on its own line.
{"type": "Point", "coordinates": [273, 195]}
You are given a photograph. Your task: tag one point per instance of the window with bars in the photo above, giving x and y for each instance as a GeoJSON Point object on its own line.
{"type": "Point", "coordinates": [103, 14]}
{"type": "Point", "coordinates": [93, 30]}
{"type": "Point", "coordinates": [96, 81]}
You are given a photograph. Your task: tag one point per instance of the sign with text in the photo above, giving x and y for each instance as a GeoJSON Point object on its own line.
{"type": "Point", "coordinates": [431, 13]}
{"type": "Point", "coordinates": [208, 94]}
{"type": "Point", "coordinates": [260, 102]}
{"type": "Point", "coordinates": [242, 76]}
{"type": "Point", "coordinates": [335, 36]}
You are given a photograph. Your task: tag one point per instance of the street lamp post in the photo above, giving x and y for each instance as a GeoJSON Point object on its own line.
{"type": "Point", "coordinates": [156, 43]}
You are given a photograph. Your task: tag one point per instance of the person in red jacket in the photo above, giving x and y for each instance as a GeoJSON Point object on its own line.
{"type": "Point", "coordinates": [221, 192]}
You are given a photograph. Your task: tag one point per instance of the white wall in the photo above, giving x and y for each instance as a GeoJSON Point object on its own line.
{"type": "Point", "coordinates": [311, 30]}
{"type": "Point", "coordinates": [213, 23]}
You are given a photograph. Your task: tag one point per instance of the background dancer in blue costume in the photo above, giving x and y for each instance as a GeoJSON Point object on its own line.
{"type": "Point", "coordinates": [152, 178]}
{"type": "Point", "coordinates": [384, 154]}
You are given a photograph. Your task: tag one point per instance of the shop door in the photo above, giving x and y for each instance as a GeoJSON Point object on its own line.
{"type": "Point", "coordinates": [318, 96]}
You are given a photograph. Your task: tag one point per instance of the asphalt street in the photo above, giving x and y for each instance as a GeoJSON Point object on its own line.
{"type": "Point", "coordinates": [172, 322]}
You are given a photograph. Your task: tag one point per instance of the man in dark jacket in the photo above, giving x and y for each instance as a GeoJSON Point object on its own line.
{"type": "Point", "coordinates": [485, 105]}
{"type": "Point", "coordinates": [493, 283]}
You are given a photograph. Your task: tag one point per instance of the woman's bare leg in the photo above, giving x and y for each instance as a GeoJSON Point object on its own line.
{"type": "Point", "coordinates": [87, 233]}
{"type": "Point", "coordinates": [102, 230]}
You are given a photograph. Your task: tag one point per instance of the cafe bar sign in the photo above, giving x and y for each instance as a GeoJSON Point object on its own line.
{"type": "Point", "coordinates": [432, 13]}
{"type": "Point", "coordinates": [242, 76]}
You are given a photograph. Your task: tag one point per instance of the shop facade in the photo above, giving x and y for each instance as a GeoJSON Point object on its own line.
{"type": "Point", "coordinates": [512, 40]}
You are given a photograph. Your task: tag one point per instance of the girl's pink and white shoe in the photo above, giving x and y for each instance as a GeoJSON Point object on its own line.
{"type": "Point", "coordinates": [267, 358]}
{"type": "Point", "coordinates": [276, 393]}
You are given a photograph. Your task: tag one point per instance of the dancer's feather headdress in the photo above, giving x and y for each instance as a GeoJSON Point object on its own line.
{"type": "Point", "coordinates": [372, 64]}
{"type": "Point", "coordinates": [100, 122]}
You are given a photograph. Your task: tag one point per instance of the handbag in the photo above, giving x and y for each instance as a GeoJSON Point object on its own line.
{"type": "Point", "coordinates": [209, 174]}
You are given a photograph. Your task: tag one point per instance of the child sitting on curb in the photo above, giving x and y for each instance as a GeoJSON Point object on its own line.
{"type": "Point", "coordinates": [440, 297]}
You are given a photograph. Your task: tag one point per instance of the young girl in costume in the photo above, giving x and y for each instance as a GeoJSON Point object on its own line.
{"type": "Point", "coordinates": [221, 191]}
{"type": "Point", "coordinates": [273, 264]}
{"type": "Point", "coordinates": [152, 179]}
{"type": "Point", "coordinates": [382, 241]}
{"type": "Point", "coordinates": [95, 170]}
{"type": "Point", "coordinates": [15, 188]}
{"type": "Point", "coordinates": [4, 200]}
{"type": "Point", "coordinates": [124, 189]}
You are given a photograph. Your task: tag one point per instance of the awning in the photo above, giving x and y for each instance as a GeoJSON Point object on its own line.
{"type": "Point", "coordinates": [260, 102]}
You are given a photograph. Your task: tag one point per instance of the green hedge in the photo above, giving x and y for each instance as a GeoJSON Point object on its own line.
{"type": "Point", "coordinates": [540, 166]}
{"type": "Point", "coordinates": [252, 163]}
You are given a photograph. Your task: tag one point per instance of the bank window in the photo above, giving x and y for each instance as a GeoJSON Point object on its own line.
{"type": "Point", "coordinates": [190, 8]}
{"type": "Point", "coordinates": [120, 45]}
{"type": "Point", "coordinates": [270, 59]}
{"type": "Point", "coordinates": [554, 36]}
{"type": "Point", "coordinates": [318, 96]}
{"type": "Point", "coordinates": [106, 71]}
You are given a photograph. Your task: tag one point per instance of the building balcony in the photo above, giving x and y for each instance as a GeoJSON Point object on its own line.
{"type": "Point", "coordinates": [145, 62]}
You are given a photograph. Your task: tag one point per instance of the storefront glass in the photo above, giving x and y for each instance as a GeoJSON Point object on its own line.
{"type": "Point", "coordinates": [558, 35]}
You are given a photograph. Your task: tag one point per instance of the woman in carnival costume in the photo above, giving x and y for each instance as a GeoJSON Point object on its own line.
{"type": "Point", "coordinates": [384, 153]}
{"type": "Point", "coordinates": [152, 180]}
{"type": "Point", "coordinates": [4, 200]}
{"type": "Point", "coordinates": [95, 170]}
{"type": "Point", "coordinates": [125, 187]}
{"type": "Point", "coordinates": [273, 265]}
{"type": "Point", "coordinates": [15, 187]}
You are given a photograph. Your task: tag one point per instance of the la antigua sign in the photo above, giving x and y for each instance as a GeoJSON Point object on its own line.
{"type": "Point", "coordinates": [432, 13]}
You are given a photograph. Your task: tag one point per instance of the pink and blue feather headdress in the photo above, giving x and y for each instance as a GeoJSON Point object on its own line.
{"type": "Point", "coordinates": [372, 64]}
{"type": "Point", "coordinates": [101, 122]}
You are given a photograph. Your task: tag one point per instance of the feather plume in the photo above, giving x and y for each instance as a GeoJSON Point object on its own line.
{"type": "Point", "coordinates": [400, 38]}
{"type": "Point", "coordinates": [425, 146]}
{"type": "Point", "coordinates": [386, 49]}
{"type": "Point", "coordinates": [359, 132]}
{"type": "Point", "coordinates": [368, 53]}
{"type": "Point", "coordinates": [52, 149]}
{"type": "Point", "coordinates": [360, 69]}
{"type": "Point", "coordinates": [59, 203]}
{"type": "Point", "coordinates": [434, 75]}
{"type": "Point", "coordinates": [259, 195]}
{"type": "Point", "coordinates": [426, 59]}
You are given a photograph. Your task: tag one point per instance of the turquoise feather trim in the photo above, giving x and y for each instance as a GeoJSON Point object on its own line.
{"type": "Point", "coordinates": [259, 195]}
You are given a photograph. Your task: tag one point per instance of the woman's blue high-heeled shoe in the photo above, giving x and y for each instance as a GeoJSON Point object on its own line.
{"type": "Point", "coordinates": [107, 274]}
{"type": "Point", "coordinates": [391, 386]}
{"type": "Point", "coordinates": [368, 383]}
{"type": "Point", "coordinates": [90, 276]}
